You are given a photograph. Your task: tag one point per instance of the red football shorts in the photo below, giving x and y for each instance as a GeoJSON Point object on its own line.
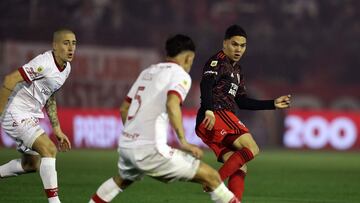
{"type": "Point", "coordinates": [226, 130]}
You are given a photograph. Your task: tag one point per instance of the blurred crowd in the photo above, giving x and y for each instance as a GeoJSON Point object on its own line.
{"type": "Point", "coordinates": [298, 46]}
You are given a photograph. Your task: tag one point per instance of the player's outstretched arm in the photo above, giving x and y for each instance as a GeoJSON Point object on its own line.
{"type": "Point", "coordinates": [7, 87]}
{"type": "Point", "coordinates": [282, 102]}
{"type": "Point", "coordinates": [51, 109]}
{"type": "Point", "coordinates": [175, 117]}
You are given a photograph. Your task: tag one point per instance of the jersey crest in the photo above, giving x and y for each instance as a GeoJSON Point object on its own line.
{"type": "Point", "coordinates": [39, 69]}
{"type": "Point", "coordinates": [185, 83]}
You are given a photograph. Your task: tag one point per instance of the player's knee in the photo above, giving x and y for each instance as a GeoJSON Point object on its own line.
{"type": "Point", "coordinates": [207, 176]}
{"type": "Point", "coordinates": [255, 150]}
{"type": "Point", "coordinates": [52, 151]}
{"type": "Point", "coordinates": [123, 184]}
{"type": "Point", "coordinates": [44, 146]}
{"type": "Point", "coordinates": [48, 150]}
{"type": "Point", "coordinates": [212, 178]}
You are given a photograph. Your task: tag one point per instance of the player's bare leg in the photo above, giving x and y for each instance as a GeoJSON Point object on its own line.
{"type": "Point", "coordinates": [110, 189]}
{"type": "Point", "coordinates": [47, 150]}
{"type": "Point", "coordinates": [208, 177]}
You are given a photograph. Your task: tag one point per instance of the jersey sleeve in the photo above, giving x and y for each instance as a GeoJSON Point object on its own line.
{"type": "Point", "coordinates": [211, 73]}
{"type": "Point", "coordinates": [180, 85]}
{"type": "Point", "coordinates": [244, 102]}
{"type": "Point", "coordinates": [35, 69]}
{"type": "Point", "coordinates": [211, 70]}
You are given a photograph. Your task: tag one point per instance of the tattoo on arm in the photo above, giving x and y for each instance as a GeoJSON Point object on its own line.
{"type": "Point", "coordinates": [52, 111]}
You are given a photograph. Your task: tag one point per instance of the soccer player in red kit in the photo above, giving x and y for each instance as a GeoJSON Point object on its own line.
{"type": "Point", "coordinates": [222, 89]}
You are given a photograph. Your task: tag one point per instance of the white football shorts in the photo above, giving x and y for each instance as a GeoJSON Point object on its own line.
{"type": "Point", "coordinates": [134, 164]}
{"type": "Point", "coordinates": [24, 130]}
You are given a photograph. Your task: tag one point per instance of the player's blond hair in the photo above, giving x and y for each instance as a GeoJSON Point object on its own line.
{"type": "Point", "coordinates": [58, 33]}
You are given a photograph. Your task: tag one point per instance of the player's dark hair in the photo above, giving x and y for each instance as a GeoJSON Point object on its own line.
{"type": "Point", "coordinates": [59, 32]}
{"type": "Point", "coordinates": [177, 44]}
{"type": "Point", "coordinates": [234, 30]}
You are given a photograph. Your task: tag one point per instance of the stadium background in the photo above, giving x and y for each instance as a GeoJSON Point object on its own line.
{"type": "Point", "coordinates": [308, 48]}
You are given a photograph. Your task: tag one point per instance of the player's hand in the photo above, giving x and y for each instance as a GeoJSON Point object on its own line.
{"type": "Point", "coordinates": [63, 140]}
{"type": "Point", "coordinates": [209, 120]}
{"type": "Point", "coordinates": [192, 149]}
{"type": "Point", "coordinates": [282, 102]}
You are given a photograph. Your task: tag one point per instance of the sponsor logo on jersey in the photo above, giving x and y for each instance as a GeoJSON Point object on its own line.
{"type": "Point", "coordinates": [131, 136]}
{"type": "Point", "coordinates": [45, 91]}
{"type": "Point", "coordinates": [213, 63]}
{"type": "Point", "coordinates": [233, 89]}
{"type": "Point", "coordinates": [31, 72]}
{"type": "Point", "coordinates": [210, 72]}
{"type": "Point", "coordinates": [29, 122]}
{"type": "Point", "coordinates": [147, 76]}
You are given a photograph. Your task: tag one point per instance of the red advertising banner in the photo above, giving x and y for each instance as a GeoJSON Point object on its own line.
{"type": "Point", "coordinates": [100, 128]}
{"type": "Point", "coordinates": [322, 130]}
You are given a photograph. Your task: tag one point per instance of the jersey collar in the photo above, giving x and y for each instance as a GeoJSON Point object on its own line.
{"type": "Point", "coordinates": [61, 69]}
{"type": "Point", "coordinates": [171, 61]}
{"type": "Point", "coordinates": [233, 63]}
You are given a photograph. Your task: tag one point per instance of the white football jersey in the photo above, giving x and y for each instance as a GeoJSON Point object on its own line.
{"type": "Point", "coordinates": [42, 77]}
{"type": "Point", "coordinates": [147, 121]}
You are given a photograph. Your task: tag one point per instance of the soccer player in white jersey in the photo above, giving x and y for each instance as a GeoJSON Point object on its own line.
{"type": "Point", "coordinates": [23, 95]}
{"type": "Point", "coordinates": [153, 100]}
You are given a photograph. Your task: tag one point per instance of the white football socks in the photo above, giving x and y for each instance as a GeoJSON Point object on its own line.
{"type": "Point", "coordinates": [49, 178]}
{"type": "Point", "coordinates": [221, 194]}
{"type": "Point", "coordinates": [107, 191]}
{"type": "Point", "coordinates": [12, 168]}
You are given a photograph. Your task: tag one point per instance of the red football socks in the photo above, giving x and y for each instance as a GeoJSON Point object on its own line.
{"type": "Point", "coordinates": [236, 183]}
{"type": "Point", "coordinates": [235, 162]}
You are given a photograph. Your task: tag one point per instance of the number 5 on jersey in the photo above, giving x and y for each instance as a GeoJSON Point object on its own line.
{"type": "Point", "coordinates": [134, 108]}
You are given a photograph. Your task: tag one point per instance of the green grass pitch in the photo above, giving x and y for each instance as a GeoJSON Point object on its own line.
{"type": "Point", "coordinates": [279, 176]}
